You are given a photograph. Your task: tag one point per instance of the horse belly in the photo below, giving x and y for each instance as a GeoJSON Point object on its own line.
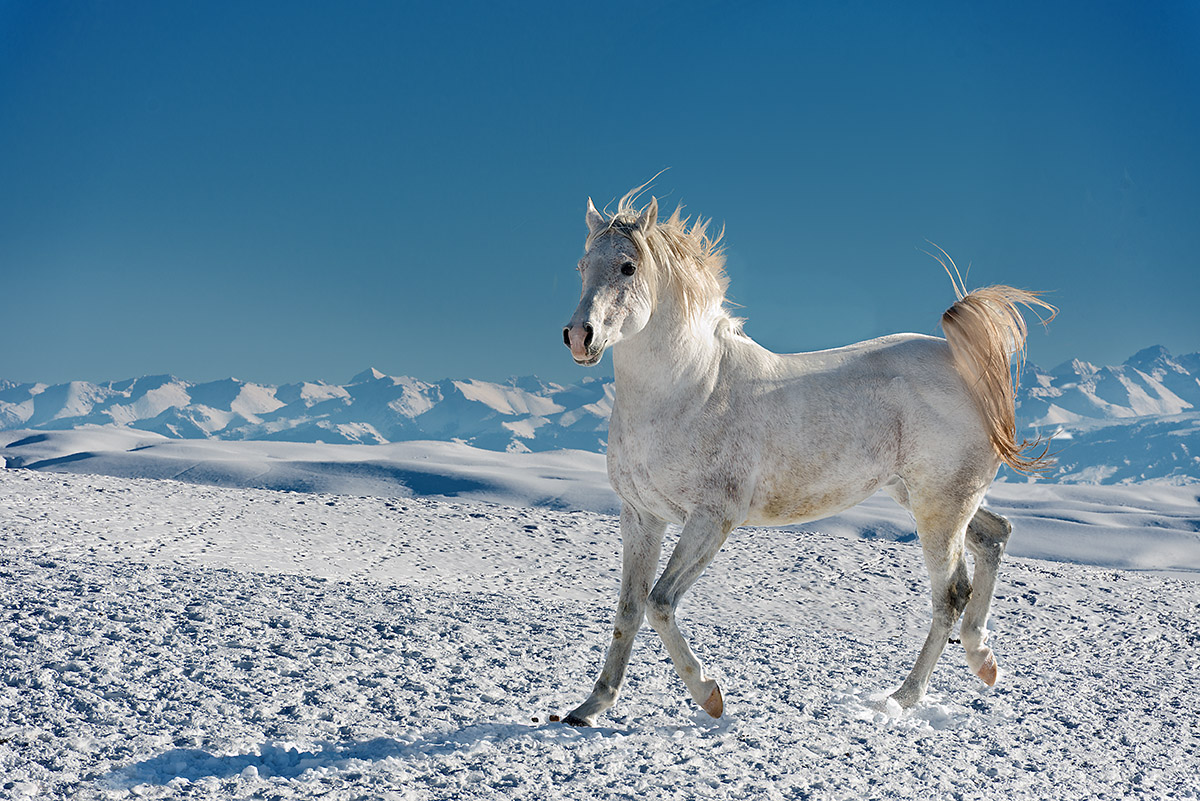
{"type": "Point", "coordinates": [787, 498]}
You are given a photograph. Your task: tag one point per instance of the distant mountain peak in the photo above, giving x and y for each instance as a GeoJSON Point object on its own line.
{"type": "Point", "coordinates": [1152, 352]}
{"type": "Point", "coordinates": [1151, 357]}
{"type": "Point", "coordinates": [368, 375]}
{"type": "Point", "coordinates": [1075, 367]}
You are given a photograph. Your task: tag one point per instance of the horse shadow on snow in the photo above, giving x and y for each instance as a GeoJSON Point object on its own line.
{"type": "Point", "coordinates": [273, 761]}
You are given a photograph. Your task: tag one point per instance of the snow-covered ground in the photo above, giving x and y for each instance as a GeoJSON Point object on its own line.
{"type": "Point", "coordinates": [165, 639]}
{"type": "Point", "coordinates": [1149, 527]}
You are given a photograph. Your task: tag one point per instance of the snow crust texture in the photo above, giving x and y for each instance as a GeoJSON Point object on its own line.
{"type": "Point", "coordinates": [167, 640]}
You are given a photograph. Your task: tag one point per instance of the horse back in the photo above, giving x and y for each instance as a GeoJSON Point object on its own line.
{"type": "Point", "coordinates": [789, 438]}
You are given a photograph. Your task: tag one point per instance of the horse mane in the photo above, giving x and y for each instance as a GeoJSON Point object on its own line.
{"type": "Point", "coordinates": [686, 259]}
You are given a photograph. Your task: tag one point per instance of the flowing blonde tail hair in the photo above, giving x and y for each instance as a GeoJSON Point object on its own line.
{"type": "Point", "coordinates": [985, 329]}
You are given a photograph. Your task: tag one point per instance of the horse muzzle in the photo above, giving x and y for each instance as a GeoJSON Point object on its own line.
{"type": "Point", "coordinates": [581, 339]}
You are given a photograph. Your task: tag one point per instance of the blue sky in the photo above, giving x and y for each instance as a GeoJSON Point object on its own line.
{"type": "Point", "coordinates": [285, 191]}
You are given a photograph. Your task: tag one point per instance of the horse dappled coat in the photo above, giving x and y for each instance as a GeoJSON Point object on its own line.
{"type": "Point", "coordinates": [711, 431]}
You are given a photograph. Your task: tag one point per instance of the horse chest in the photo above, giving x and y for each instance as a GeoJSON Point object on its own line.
{"type": "Point", "coordinates": [667, 467]}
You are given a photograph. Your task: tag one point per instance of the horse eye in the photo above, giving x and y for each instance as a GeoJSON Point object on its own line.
{"type": "Point", "coordinates": [628, 268]}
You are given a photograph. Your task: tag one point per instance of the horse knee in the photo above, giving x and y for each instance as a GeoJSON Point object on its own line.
{"type": "Point", "coordinates": [629, 620]}
{"type": "Point", "coordinates": [659, 611]}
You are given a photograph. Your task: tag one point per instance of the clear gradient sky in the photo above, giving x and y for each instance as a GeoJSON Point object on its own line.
{"type": "Point", "coordinates": [296, 190]}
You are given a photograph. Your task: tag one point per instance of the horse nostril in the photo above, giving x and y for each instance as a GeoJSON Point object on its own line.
{"type": "Point", "coordinates": [567, 337]}
{"type": "Point", "coordinates": [588, 339]}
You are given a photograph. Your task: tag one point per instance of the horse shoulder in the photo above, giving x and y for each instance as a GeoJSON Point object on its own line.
{"type": "Point", "coordinates": [694, 454]}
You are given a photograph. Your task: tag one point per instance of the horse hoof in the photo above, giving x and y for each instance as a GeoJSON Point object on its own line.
{"type": "Point", "coordinates": [988, 671]}
{"type": "Point", "coordinates": [579, 723]}
{"type": "Point", "coordinates": [715, 705]}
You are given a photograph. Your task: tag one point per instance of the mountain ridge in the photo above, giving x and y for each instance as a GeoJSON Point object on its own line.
{"type": "Point", "coordinates": [1135, 421]}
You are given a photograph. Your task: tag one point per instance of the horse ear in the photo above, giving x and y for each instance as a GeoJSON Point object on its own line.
{"type": "Point", "coordinates": [649, 216]}
{"type": "Point", "coordinates": [595, 220]}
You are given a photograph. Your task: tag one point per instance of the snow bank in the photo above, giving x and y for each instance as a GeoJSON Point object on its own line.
{"type": "Point", "coordinates": [555, 479]}
{"type": "Point", "coordinates": [1150, 527]}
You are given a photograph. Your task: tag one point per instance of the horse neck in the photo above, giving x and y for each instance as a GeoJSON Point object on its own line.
{"type": "Point", "coordinates": [671, 357]}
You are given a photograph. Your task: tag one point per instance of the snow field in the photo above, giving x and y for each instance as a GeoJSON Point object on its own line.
{"type": "Point", "coordinates": [167, 640]}
{"type": "Point", "coordinates": [1150, 527]}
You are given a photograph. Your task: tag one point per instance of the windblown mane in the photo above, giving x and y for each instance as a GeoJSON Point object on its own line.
{"type": "Point", "coordinates": [685, 258]}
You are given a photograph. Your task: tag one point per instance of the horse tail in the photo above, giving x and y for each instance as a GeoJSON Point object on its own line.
{"type": "Point", "coordinates": [985, 329]}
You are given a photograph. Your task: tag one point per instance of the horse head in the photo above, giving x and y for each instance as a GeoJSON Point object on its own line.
{"type": "Point", "coordinates": [617, 296]}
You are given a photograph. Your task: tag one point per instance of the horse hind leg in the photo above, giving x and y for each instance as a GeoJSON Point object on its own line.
{"type": "Point", "coordinates": [987, 536]}
{"type": "Point", "coordinates": [942, 531]}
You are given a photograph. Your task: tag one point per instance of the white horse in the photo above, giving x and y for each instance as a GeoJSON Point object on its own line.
{"type": "Point", "coordinates": [711, 431]}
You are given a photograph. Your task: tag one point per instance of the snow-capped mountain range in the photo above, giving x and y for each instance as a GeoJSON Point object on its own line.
{"type": "Point", "coordinates": [372, 408]}
{"type": "Point", "coordinates": [1152, 382]}
{"type": "Point", "coordinates": [1131, 422]}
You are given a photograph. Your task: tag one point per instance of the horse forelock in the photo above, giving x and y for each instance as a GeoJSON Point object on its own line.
{"type": "Point", "coordinates": [684, 259]}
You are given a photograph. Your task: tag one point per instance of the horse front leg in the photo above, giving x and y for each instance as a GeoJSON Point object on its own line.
{"type": "Point", "coordinates": [641, 543]}
{"type": "Point", "coordinates": [700, 540]}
